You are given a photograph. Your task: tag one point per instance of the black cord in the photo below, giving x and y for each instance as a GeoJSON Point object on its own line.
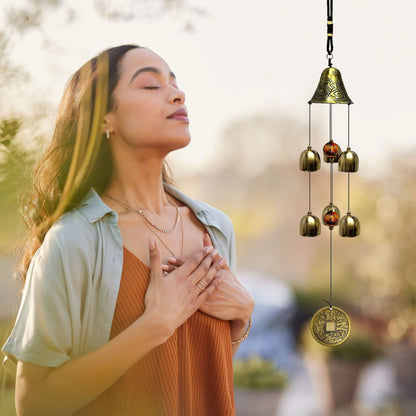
{"type": "Point", "coordinates": [330, 31]}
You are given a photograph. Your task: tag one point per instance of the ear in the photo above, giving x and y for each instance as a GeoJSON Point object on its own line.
{"type": "Point", "coordinates": [107, 125]}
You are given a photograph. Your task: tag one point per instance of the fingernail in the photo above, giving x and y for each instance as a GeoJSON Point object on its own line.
{"type": "Point", "coordinates": [222, 262]}
{"type": "Point", "coordinates": [165, 267]}
{"type": "Point", "coordinates": [152, 243]}
{"type": "Point", "coordinates": [215, 252]}
{"type": "Point", "coordinates": [172, 259]}
{"type": "Point", "coordinates": [209, 249]}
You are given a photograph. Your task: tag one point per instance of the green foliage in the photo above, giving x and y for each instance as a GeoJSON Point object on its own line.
{"type": "Point", "coordinates": [357, 348]}
{"type": "Point", "coordinates": [7, 402]}
{"type": "Point", "coordinates": [258, 373]}
{"type": "Point", "coordinates": [6, 380]}
{"type": "Point", "coordinates": [360, 346]}
{"type": "Point", "coordinates": [15, 166]}
{"type": "Point", "coordinates": [9, 130]}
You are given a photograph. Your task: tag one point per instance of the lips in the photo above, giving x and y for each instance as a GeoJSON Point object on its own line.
{"type": "Point", "coordinates": [180, 115]}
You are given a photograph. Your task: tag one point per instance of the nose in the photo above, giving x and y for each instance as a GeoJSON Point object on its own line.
{"type": "Point", "coordinates": [178, 96]}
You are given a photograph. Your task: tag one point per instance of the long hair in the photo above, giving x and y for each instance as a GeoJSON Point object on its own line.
{"type": "Point", "coordinates": [78, 156]}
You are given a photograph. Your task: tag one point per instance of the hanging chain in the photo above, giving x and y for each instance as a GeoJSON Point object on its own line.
{"type": "Point", "coordinates": [309, 147]}
{"type": "Point", "coordinates": [348, 148]}
{"type": "Point", "coordinates": [330, 32]}
{"type": "Point", "coordinates": [330, 268]}
{"type": "Point", "coordinates": [331, 175]}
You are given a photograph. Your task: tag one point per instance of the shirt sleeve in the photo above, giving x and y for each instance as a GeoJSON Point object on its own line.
{"type": "Point", "coordinates": [232, 251]}
{"type": "Point", "coordinates": [42, 333]}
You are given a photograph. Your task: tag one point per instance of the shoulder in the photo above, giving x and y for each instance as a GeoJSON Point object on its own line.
{"type": "Point", "coordinates": [77, 232]}
{"type": "Point", "coordinates": [206, 213]}
{"type": "Point", "coordinates": [215, 216]}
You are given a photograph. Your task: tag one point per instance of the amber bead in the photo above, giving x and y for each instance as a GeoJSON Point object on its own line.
{"type": "Point", "coordinates": [330, 215]}
{"type": "Point", "coordinates": [331, 152]}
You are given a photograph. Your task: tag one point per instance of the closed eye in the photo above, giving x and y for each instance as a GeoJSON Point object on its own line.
{"type": "Point", "coordinates": [151, 88]}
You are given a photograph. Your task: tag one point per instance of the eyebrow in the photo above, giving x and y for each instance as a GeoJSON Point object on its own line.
{"type": "Point", "coordinates": [150, 69]}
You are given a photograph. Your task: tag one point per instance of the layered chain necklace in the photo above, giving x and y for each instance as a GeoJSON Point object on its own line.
{"type": "Point", "coordinates": [154, 228]}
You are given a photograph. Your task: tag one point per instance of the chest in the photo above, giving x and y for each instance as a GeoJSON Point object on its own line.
{"type": "Point", "coordinates": [182, 243]}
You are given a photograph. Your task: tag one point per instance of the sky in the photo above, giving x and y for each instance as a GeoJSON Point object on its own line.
{"type": "Point", "coordinates": [244, 58]}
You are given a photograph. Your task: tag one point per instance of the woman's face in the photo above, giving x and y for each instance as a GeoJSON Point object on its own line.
{"type": "Point", "coordinates": [146, 100]}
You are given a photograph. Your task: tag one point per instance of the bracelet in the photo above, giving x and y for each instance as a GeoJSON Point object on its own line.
{"type": "Point", "coordinates": [238, 341]}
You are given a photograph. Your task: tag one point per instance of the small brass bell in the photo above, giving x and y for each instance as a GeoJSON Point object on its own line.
{"type": "Point", "coordinates": [332, 151]}
{"type": "Point", "coordinates": [310, 225]}
{"type": "Point", "coordinates": [330, 215]}
{"type": "Point", "coordinates": [349, 226]}
{"type": "Point", "coordinates": [309, 160]}
{"type": "Point", "coordinates": [331, 89]}
{"type": "Point", "coordinates": [348, 161]}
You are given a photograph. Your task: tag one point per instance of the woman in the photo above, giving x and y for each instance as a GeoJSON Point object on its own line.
{"type": "Point", "coordinates": [128, 309]}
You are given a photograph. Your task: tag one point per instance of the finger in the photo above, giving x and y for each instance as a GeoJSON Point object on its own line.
{"type": "Point", "coordinates": [154, 257]}
{"type": "Point", "coordinates": [207, 240]}
{"type": "Point", "coordinates": [194, 262]}
{"type": "Point", "coordinates": [206, 273]}
{"type": "Point", "coordinates": [205, 294]}
{"type": "Point", "coordinates": [176, 261]}
{"type": "Point", "coordinates": [216, 255]}
{"type": "Point", "coordinates": [168, 268]}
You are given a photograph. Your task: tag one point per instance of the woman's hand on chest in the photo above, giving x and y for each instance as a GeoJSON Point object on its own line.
{"type": "Point", "coordinates": [230, 301]}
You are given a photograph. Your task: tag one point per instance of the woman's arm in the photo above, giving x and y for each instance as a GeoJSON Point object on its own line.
{"type": "Point", "coordinates": [47, 391]}
{"type": "Point", "coordinates": [169, 302]}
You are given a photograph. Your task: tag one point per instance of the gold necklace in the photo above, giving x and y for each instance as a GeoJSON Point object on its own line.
{"type": "Point", "coordinates": [148, 223]}
{"type": "Point", "coordinates": [163, 242]}
{"type": "Point", "coordinates": [144, 217]}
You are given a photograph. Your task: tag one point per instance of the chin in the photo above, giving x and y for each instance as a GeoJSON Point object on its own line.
{"type": "Point", "coordinates": [178, 142]}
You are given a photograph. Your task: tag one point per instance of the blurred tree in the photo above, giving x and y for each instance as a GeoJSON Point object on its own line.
{"type": "Point", "coordinates": [31, 14]}
{"type": "Point", "coordinates": [18, 147]}
{"type": "Point", "coordinates": [256, 180]}
{"type": "Point", "coordinates": [15, 166]}
{"type": "Point", "coordinates": [258, 183]}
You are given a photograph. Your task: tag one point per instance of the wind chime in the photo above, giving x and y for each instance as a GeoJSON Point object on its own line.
{"type": "Point", "coordinates": [330, 325]}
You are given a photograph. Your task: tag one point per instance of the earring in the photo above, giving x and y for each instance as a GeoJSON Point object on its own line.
{"type": "Point", "coordinates": [107, 133]}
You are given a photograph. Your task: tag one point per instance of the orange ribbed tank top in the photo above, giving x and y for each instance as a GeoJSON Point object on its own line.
{"type": "Point", "coordinates": [189, 375]}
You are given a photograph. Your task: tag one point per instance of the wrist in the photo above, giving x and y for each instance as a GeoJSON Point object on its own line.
{"type": "Point", "coordinates": [240, 333]}
{"type": "Point", "coordinates": [158, 329]}
{"type": "Point", "coordinates": [245, 314]}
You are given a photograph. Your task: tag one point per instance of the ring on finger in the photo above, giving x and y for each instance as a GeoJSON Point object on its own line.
{"type": "Point", "coordinates": [202, 284]}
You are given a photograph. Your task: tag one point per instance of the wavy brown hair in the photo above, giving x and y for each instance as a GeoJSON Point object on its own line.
{"type": "Point", "coordinates": [78, 156]}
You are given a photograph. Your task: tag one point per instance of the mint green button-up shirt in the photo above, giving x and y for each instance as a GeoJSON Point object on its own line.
{"type": "Point", "coordinates": [73, 281]}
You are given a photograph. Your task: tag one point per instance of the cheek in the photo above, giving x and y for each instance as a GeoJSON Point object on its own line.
{"type": "Point", "coordinates": [136, 116]}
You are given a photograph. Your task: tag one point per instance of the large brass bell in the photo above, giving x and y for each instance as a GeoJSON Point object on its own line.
{"type": "Point", "coordinates": [331, 89]}
{"type": "Point", "coordinates": [348, 161]}
{"type": "Point", "coordinates": [330, 215]}
{"type": "Point", "coordinates": [310, 225]}
{"type": "Point", "coordinates": [349, 226]}
{"type": "Point", "coordinates": [309, 160]}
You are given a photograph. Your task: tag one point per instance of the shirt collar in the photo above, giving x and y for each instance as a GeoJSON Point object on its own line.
{"type": "Point", "coordinates": [94, 208]}
{"type": "Point", "coordinates": [202, 211]}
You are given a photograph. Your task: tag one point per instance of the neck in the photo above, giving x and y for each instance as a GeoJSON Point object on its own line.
{"type": "Point", "coordinates": [139, 184]}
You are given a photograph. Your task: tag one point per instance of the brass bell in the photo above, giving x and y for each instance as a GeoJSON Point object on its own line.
{"type": "Point", "coordinates": [331, 89]}
{"type": "Point", "coordinates": [349, 226]}
{"type": "Point", "coordinates": [331, 151]}
{"type": "Point", "coordinates": [348, 161]}
{"type": "Point", "coordinates": [310, 225]}
{"type": "Point", "coordinates": [309, 160]}
{"type": "Point", "coordinates": [330, 215]}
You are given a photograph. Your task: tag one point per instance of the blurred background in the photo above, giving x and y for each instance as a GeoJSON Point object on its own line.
{"type": "Point", "coordinates": [249, 69]}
